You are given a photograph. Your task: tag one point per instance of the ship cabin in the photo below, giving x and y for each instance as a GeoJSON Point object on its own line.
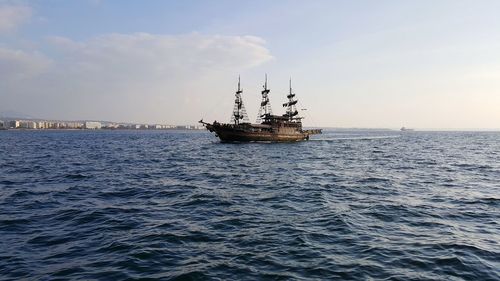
{"type": "Point", "coordinates": [284, 120]}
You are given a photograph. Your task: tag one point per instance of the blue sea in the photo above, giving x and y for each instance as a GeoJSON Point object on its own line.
{"type": "Point", "coordinates": [179, 205]}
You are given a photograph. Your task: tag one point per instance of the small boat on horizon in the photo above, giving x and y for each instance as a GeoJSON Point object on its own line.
{"type": "Point", "coordinates": [404, 129]}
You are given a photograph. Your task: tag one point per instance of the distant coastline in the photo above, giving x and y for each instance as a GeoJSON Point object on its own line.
{"type": "Point", "coordinates": [29, 123]}
{"type": "Point", "coordinates": [42, 124]}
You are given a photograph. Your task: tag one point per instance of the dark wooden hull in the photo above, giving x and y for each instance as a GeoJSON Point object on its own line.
{"type": "Point", "coordinates": [246, 134]}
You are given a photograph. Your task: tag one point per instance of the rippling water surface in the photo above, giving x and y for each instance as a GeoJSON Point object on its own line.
{"type": "Point", "coordinates": [115, 205]}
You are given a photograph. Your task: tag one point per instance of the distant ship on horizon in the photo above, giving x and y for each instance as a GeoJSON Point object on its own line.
{"type": "Point", "coordinates": [269, 127]}
{"type": "Point", "coordinates": [404, 129]}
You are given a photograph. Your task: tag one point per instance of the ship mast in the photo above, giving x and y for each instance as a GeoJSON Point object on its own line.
{"type": "Point", "coordinates": [291, 105]}
{"type": "Point", "coordinates": [265, 106]}
{"type": "Point", "coordinates": [239, 111]}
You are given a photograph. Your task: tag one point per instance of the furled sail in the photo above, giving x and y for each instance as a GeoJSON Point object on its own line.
{"type": "Point", "coordinates": [265, 106]}
{"type": "Point", "coordinates": [291, 110]}
{"type": "Point", "coordinates": [239, 111]}
{"type": "Point", "coordinates": [294, 102]}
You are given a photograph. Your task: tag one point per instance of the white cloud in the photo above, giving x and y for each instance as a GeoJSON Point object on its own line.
{"type": "Point", "coordinates": [159, 54]}
{"type": "Point", "coordinates": [16, 65]}
{"type": "Point", "coordinates": [12, 16]}
{"type": "Point", "coordinates": [141, 77]}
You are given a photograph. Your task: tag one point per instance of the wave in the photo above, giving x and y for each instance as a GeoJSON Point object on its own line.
{"type": "Point", "coordinates": [353, 138]}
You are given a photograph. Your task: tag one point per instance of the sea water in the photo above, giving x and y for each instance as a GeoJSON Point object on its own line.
{"type": "Point", "coordinates": [180, 205]}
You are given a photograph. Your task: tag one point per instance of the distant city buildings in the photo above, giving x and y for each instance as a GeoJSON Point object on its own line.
{"type": "Point", "coordinates": [88, 125]}
{"type": "Point", "coordinates": [29, 124]}
{"type": "Point", "coordinates": [91, 125]}
{"type": "Point", "coordinates": [14, 124]}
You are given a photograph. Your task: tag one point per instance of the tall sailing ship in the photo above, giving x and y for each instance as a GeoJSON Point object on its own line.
{"type": "Point", "coordinates": [269, 127]}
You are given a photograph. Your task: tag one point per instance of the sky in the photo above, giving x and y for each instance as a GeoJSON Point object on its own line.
{"type": "Point", "coordinates": [365, 64]}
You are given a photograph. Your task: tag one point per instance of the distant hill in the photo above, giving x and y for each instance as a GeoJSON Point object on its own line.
{"type": "Point", "coordinates": [11, 114]}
